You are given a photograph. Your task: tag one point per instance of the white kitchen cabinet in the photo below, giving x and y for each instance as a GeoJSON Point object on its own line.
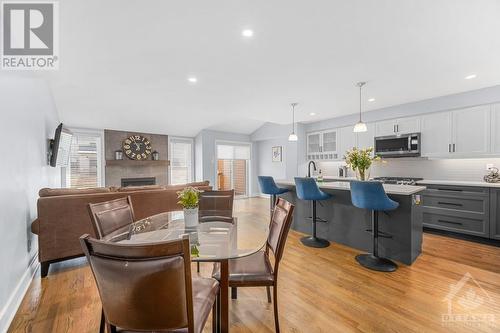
{"type": "Point", "coordinates": [398, 126]}
{"type": "Point", "coordinates": [436, 139]}
{"type": "Point", "coordinates": [329, 141]}
{"type": "Point", "coordinates": [313, 143]}
{"type": "Point", "coordinates": [408, 125]}
{"type": "Point", "coordinates": [347, 140]}
{"type": "Point", "coordinates": [366, 139]}
{"type": "Point", "coordinates": [495, 129]}
{"type": "Point", "coordinates": [386, 127]}
{"type": "Point", "coordinates": [471, 131]}
{"type": "Point", "coordinates": [322, 145]}
{"type": "Point", "coordinates": [459, 133]}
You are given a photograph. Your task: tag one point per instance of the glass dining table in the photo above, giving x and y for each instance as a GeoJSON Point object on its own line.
{"type": "Point", "coordinates": [210, 241]}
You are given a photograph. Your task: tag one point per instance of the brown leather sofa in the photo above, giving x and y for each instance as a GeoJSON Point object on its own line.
{"type": "Point", "coordinates": [63, 215]}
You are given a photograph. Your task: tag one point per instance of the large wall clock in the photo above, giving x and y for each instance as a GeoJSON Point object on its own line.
{"type": "Point", "coordinates": [137, 147]}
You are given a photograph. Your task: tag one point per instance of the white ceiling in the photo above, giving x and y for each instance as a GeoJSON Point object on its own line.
{"type": "Point", "coordinates": [125, 64]}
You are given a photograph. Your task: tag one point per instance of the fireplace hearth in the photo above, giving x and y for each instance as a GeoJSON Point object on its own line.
{"type": "Point", "coordinates": [138, 181]}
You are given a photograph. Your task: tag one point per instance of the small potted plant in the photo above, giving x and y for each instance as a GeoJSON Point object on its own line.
{"type": "Point", "coordinates": [360, 161]}
{"type": "Point", "coordinates": [188, 199]}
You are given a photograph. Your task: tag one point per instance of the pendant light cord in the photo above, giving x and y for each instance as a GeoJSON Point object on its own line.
{"type": "Point", "coordinates": [360, 85]}
{"type": "Point", "coordinates": [293, 117]}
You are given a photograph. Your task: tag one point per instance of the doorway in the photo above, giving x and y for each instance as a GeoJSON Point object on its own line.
{"type": "Point", "coordinates": [233, 162]}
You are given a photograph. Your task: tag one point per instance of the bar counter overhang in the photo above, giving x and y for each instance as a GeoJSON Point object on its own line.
{"type": "Point", "coordinates": [400, 231]}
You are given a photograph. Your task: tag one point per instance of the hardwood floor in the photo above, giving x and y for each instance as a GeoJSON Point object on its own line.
{"type": "Point", "coordinates": [320, 290]}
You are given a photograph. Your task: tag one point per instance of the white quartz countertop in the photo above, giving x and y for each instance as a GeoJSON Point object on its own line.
{"type": "Point", "coordinates": [433, 182]}
{"type": "Point", "coordinates": [344, 185]}
{"type": "Point", "coordinates": [457, 183]}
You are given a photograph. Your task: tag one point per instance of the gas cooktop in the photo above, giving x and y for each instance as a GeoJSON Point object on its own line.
{"type": "Point", "coordinates": [398, 180]}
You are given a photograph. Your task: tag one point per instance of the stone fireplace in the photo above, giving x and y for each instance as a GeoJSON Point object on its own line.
{"type": "Point", "coordinates": [131, 172]}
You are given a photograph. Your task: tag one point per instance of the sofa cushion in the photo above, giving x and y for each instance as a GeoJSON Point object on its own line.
{"type": "Point", "coordinates": [54, 192]}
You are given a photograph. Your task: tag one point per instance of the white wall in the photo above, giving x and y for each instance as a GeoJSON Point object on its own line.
{"type": "Point", "coordinates": [293, 164]}
{"type": "Point", "coordinates": [198, 157]}
{"type": "Point", "coordinates": [206, 159]}
{"type": "Point", "coordinates": [29, 118]}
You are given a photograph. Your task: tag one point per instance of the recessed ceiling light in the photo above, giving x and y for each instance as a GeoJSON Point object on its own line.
{"type": "Point", "coordinates": [192, 79]}
{"type": "Point", "coordinates": [371, 99]}
{"type": "Point", "coordinates": [312, 113]}
{"type": "Point", "coordinates": [471, 76]}
{"type": "Point", "coordinates": [247, 33]}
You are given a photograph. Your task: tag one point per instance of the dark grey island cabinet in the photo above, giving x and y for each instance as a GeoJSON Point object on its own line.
{"type": "Point", "coordinates": [469, 210]}
{"type": "Point", "coordinates": [495, 213]}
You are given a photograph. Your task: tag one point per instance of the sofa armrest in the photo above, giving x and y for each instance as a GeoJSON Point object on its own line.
{"type": "Point", "coordinates": [35, 226]}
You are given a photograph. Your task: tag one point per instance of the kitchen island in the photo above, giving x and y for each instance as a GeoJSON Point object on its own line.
{"type": "Point", "coordinates": [400, 230]}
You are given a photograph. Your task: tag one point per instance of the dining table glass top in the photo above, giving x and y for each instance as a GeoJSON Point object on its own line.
{"type": "Point", "coordinates": [209, 241]}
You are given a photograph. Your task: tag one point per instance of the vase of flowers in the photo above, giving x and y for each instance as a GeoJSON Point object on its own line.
{"type": "Point", "coordinates": [360, 161]}
{"type": "Point", "coordinates": [188, 199]}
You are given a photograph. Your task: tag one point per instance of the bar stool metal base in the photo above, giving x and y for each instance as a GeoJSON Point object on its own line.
{"type": "Point", "coordinates": [376, 263]}
{"type": "Point", "coordinates": [312, 241]}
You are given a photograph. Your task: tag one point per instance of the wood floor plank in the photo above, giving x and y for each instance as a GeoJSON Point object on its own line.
{"type": "Point", "coordinates": [320, 290]}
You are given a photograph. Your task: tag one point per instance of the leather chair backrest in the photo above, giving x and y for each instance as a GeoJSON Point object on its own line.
{"type": "Point", "coordinates": [216, 205]}
{"type": "Point", "coordinates": [143, 287]}
{"type": "Point", "coordinates": [281, 221]}
{"type": "Point", "coordinates": [111, 216]}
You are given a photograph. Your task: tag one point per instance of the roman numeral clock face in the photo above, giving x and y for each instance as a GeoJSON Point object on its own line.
{"type": "Point", "coordinates": [137, 147]}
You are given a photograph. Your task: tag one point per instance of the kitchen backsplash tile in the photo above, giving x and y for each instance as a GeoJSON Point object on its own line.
{"type": "Point", "coordinates": [439, 169]}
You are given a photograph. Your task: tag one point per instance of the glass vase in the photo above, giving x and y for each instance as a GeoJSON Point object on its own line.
{"type": "Point", "coordinates": [363, 174]}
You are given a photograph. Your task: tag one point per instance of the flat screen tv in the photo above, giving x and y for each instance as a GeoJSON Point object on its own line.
{"type": "Point", "coordinates": [60, 147]}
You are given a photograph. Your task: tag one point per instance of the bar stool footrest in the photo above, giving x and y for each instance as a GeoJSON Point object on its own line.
{"type": "Point", "coordinates": [376, 263]}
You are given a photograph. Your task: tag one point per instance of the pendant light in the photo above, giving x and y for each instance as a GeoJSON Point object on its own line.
{"type": "Point", "coordinates": [293, 136]}
{"type": "Point", "coordinates": [360, 126]}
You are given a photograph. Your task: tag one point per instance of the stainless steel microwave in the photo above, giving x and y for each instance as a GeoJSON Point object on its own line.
{"type": "Point", "coordinates": [404, 145]}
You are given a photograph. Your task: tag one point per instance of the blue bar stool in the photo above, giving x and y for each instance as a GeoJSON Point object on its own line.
{"type": "Point", "coordinates": [307, 189]}
{"type": "Point", "coordinates": [268, 186]}
{"type": "Point", "coordinates": [371, 195]}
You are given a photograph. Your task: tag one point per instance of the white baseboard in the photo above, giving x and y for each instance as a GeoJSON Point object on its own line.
{"type": "Point", "coordinates": [9, 310]}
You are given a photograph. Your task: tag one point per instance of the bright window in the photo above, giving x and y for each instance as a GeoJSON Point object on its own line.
{"type": "Point", "coordinates": [181, 160]}
{"type": "Point", "coordinates": [233, 167]}
{"type": "Point", "coordinates": [85, 162]}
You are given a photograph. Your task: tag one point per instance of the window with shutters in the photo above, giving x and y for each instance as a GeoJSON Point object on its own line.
{"type": "Point", "coordinates": [181, 160]}
{"type": "Point", "coordinates": [85, 162]}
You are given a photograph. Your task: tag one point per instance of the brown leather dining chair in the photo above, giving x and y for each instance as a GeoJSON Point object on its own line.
{"type": "Point", "coordinates": [111, 217]}
{"type": "Point", "coordinates": [148, 287]}
{"type": "Point", "coordinates": [216, 206]}
{"type": "Point", "coordinates": [256, 270]}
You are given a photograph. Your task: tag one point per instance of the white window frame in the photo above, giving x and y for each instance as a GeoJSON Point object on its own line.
{"type": "Point", "coordinates": [101, 171]}
{"type": "Point", "coordinates": [249, 164]}
{"type": "Point", "coordinates": [185, 140]}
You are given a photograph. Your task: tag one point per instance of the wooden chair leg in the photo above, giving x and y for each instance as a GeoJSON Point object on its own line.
{"type": "Point", "coordinates": [110, 328]}
{"type": "Point", "coordinates": [268, 294]}
{"type": "Point", "coordinates": [102, 324]}
{"type": "Point", "coordinates": [198, 267]}
{"type": "Point", "coordinates": [275, 301]}
{"type": "Point", "coordinates": [234, 293]}
{"type": "Point", "coordinates": [219, 312]}
{"type": "Point", "coordinates": [214, 316]}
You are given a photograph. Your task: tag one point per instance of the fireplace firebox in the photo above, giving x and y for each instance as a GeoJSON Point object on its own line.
{"type": "Point", "coordinates": [138, 181]}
